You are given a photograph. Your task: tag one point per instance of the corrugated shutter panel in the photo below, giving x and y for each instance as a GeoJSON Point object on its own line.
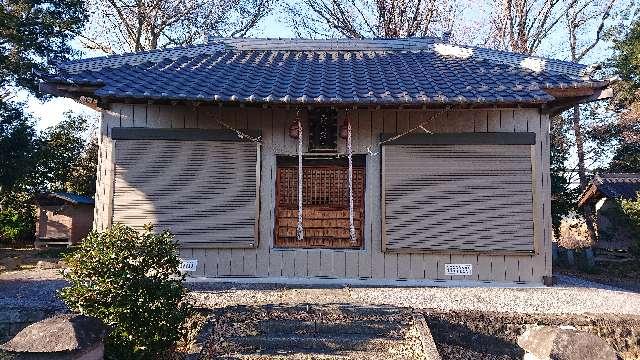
{"type": "Point", "coordinates": [203, 191]}
{"type": "Point", "coordinates": [458, 198]}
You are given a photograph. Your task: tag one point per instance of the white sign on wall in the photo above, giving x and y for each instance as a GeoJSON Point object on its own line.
{"type": "Point", "coordinates": [189, 265]}
{"type": "Point", "coordinates": [458, 269]}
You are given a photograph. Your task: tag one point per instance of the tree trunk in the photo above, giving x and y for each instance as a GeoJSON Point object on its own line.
{"type": "Point", "coordinates": [577, 130]}
{"type": "Point", "coordinates": [587, 211]}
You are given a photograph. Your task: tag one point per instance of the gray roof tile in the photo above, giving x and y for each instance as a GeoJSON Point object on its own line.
{"type": "Point", "coordinates": [399, 71]}
{"type": "Point", "coordinates": [621, 186]}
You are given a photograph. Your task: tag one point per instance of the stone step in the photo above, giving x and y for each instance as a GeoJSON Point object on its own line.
{"type": "Point", "coordinates": [390, 329]}
{"type": "Point", "coordinates": [313, 332]}
{"type": "Point", "coordinates": [328, 345]}
{"type": "Point", "coordinates": [306, 356]}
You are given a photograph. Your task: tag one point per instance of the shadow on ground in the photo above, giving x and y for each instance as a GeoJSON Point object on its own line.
{"type": "Point", "coordinates": [343, 331]}
{"type": "Point", "coordinates": [359, 332]}
{"type": "Point", "coordinates": [25, 301]}
{"type": "Point", "coordinates": [492, 335]}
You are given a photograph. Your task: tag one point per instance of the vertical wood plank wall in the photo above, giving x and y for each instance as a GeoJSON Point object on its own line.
{"type": "Point", "coordinates": [370, 262]}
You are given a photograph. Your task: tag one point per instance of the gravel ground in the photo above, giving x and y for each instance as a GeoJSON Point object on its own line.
{"type": "Point", "coordinates": [37, 288]}
{"type": "Point", "coordinates": [570, 296]}
{"type": "Point", "coordinates": [26, 297]}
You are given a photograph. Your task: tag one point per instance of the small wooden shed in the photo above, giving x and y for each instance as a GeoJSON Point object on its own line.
{"type": "Point", "coordinates": [369, 160]}
{"type": "Point", "coordinates": [603, 193]}
{"type": "Point", "coordinates": [63, 218]}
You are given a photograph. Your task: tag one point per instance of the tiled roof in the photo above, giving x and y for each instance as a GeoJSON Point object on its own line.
{"type": "Point", "coordinates": [373, 71]}
{"type": "Point", "coordinates": [623, 186]}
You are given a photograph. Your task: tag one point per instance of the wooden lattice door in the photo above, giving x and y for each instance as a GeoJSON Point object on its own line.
{"type": "Point", "coordinates": [325, 204]}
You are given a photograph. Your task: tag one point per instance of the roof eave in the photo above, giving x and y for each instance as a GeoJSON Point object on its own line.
{"type": "Point", "coordinates": [336, 104]}
{"type": "Point", "coordinates": [566, 98]}
{"type": "Point", "coordinates": [86, 95]}
{"type": "Point", "coordinates": [83, 94]}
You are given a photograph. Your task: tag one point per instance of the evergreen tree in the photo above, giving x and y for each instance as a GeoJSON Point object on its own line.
{"type": "Point", "coordinates": [34, 34]}
{"type": "Point", "coordinates": [626, 61]}
{"type": "Point", "coordinates": [563, 196]}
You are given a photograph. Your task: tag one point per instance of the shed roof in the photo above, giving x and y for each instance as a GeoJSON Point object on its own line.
{"type": "Point", "coordinates": [66, 197]}
{"type": "Point", "coordinates": [617, 186]}
{"type": "Point", "coordinates": [336, 71]}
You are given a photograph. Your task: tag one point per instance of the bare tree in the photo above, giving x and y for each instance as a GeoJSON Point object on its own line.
{"type": "Point", "coordinates": [134, 25]}
{"type": "Point", "coordinates": [376, 18]}
{"type": "Point", "coordinates": [523, 25]}
{"type": "Point", "coordinates": [585, 22]}
{"type": "Point", "coordinates": [6, 94]}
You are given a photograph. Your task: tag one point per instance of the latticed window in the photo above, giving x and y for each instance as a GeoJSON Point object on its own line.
{"type": "Point", "coordinates": [325, 202]}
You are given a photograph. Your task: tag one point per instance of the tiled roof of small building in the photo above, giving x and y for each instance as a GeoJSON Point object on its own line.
{"type": "Point", "coordinates": [615, 186]}
{"type": "Point", "coordinates": [375, 71]}
{"type": "Point", "coordinates": [623, 186]}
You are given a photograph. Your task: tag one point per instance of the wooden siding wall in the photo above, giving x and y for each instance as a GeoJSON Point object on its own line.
{"type": "Point", "coordinates": [370, 263]}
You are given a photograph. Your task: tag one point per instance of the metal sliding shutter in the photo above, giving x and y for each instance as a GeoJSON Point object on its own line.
{"type": "Point", "coordinates": [205, 192]}
{"type": "Point", "coordinates": [458, 198]}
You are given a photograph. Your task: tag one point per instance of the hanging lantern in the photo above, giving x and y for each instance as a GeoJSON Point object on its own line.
{"type": "Point", "coordinates": [344, 129]}
{"type": "Point", "coordinates": [293, 129]}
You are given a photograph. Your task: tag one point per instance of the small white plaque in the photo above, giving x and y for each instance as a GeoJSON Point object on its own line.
{"type": "Point", "coordinates": [188, 265]}
{"type": "Point", "coordinates": [458, 269]}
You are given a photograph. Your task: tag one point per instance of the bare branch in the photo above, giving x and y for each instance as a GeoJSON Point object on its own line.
{"type": "Point", "coordinates": [605, 15]}
{"type": "Point", "coordinates": [377, 18]}
{"type": "Point", "coordinates": [93, 45]}
{"type": "Point", "coordinates": [523, 25]}
{"type": "Point", "coordinates": [135, 25]}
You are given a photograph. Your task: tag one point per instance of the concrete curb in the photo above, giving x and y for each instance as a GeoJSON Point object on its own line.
{"type": "Point", "coordinates": [328, 281]}
{"type": "Point", "coordinates": [429, 348]}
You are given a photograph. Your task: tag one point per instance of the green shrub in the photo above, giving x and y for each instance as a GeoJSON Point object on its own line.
{"type": "Point", "coordinates": [631, 209]}
{"type": "Point", "coordinates": [130, 281]}
{"type": "Point", "coordinates": [17, 224]}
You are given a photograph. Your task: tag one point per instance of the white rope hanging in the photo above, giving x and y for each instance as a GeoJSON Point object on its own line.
{"type": "Point", "coordinates": [239, 133]}
{"type": "Point", "coordinates": [367, 148]}
{"type": "Point", "coordinates": [352, 229]}
{"type": "Point", "coordinates": [299, 229]}
{"type": "Point", "coordinates": [398, 136]}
